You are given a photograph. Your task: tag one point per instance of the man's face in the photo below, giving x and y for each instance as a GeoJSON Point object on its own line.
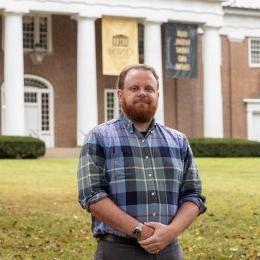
{"type": "Point", "coordinates": [139, 95]}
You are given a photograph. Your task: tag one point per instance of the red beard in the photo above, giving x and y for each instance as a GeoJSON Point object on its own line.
{"type": "Point", "coordinates": [142, 110]}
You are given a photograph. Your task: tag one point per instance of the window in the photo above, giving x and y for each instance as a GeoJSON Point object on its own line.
{"type": "Point", "coordinates": [254, 52]}
{"type": "Point", "coordinates": [34, 83]}
{"type": "Point", "coordinates": [112, 108]}
{"type": "Point", "coordinates": [30, 97]}
{"type": "Point", "coordinates": [37, 30]}
{"type": "Point", "coordinates": [45, 112]}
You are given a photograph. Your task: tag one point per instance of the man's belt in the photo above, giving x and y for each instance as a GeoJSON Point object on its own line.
{"type": "Point", "coordinates": [117, 239]}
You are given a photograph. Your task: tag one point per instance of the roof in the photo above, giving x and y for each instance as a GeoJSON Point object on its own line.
{"type": "Point", "coordinates": [242, 4]}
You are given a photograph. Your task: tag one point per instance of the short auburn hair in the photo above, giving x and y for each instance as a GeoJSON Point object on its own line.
{"type": "Point", "coordinates": [143, 67]}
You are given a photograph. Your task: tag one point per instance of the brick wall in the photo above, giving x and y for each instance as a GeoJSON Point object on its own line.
{"type": "Point", "coordinates": [183, 97]}
{"type": "Point", "coordinates": [239, 81]}
{"type": "Point", "coordinates": [59, 68]}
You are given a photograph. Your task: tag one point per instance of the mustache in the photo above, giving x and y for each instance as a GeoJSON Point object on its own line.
{"type": "Point", "coordinates": [142, 100]}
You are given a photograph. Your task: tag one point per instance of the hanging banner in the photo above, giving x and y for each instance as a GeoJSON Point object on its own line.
{"type": "Point", "coordinates": [181, 50]}
{"type": "Point", "coordinates": [119, 44]}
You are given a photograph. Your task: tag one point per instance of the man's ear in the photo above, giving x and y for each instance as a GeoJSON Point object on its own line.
{"type": "Point", "coordinates": [119, 94]}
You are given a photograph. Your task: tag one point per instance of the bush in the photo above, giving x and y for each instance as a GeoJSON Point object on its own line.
{"type": "Point", "coordinates": [224, 147]}
{"type": "Point", "coordinates": [21, 147]}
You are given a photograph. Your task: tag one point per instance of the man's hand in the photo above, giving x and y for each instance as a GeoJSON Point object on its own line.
{"type": "Point", "coordinates": [147, 232]}
{"type": "Point", "coordinates": [163, 235]}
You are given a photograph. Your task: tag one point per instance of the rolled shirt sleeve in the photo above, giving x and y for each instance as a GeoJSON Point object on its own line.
{"type": "Point", "coordinates": [92, 183]}
{"type": "Point", "coordinates": [191, 189]}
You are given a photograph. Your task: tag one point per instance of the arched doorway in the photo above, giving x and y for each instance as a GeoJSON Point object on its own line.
{"type": "Point", "coordinates": [38, 102]}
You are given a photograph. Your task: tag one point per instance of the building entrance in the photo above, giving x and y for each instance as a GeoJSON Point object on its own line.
{"type": "Point", "coordinates": [38, 102]}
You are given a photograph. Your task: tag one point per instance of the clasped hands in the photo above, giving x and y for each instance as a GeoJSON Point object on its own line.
{"type": "Point", "coordinates": [156, 237]}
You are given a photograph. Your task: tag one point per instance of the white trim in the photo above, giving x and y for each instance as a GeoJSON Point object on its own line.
{"type": "Point", "coordinates": [240, 23]}
{"type": "Point", "coordinates": [199, 11]}
{"type": "Point", "coordinates": [252, 101]}
{"type": "Point", "coordinates": [253, 108]}
{"type": "Point", "coordinates": [116, 107]}
{"type": "Point", "coordinates": [43, 80]}
{"type": "Point", "coordinates": [252, 65]}
{"type": "Point", "coordinates": [241, 12]}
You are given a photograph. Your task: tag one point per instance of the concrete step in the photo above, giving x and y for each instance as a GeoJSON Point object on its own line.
{"type": "Point", "coordinates": [64, 152]}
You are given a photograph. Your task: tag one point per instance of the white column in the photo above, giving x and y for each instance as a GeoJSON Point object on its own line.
{"type": "Point", "coordinates": [153, 57]}
{"type": "Point", "coordinates": [87, 109]}
{"type": "Point", "coordinates": [213, 104]}
{"type": "Point", "coordinates": [14, 75]}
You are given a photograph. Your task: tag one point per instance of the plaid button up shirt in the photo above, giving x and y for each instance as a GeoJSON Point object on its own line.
{"type": "Point", "coordinates": [148, 177]}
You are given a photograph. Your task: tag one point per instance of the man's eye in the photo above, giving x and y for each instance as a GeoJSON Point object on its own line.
{"type": "Point", "coordinates": [133, 88]}
{"type": "Point", "coordinates": [150, 90]}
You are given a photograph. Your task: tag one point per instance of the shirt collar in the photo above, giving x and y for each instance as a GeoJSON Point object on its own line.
{"type": "Point", "coordinates": [130, 125]}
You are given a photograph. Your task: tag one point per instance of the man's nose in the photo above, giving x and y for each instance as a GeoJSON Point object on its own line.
{"type": "Point", "coordinates": [142, 92]}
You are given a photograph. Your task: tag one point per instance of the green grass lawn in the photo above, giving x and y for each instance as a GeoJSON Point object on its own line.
{"type": "Point", "coordinates": [40, 217]}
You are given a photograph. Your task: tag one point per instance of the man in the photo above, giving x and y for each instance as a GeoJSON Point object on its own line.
{"type": "Point", "coordinates": [138, 178]}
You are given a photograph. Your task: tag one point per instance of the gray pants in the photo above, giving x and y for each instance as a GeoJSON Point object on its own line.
{"type": "Point", "coordinates": [121, 251]}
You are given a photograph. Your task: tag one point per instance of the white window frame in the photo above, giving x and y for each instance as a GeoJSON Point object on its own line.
{"type": "Point", "coordinates": [252, 65]}
{"type": "Point", "coordinates": [50, 91]}
{"type": "Point", "coordinates": [36, 32]}
{"type": "Point", "coordinates": [116, 107]}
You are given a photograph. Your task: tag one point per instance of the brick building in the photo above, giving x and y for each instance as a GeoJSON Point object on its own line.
{"type": "Point", "coordinates": [65, 95]}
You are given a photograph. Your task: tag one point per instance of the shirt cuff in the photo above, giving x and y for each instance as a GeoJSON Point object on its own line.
{"type": "Point", "coordinates": [199, 201]}
{"type": "Point", "coordinates": [95, 198]}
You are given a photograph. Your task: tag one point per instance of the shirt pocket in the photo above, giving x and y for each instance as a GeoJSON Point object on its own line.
{"type": "Point", "coordinates": [125, 169]}
{"type": "Point", "coordinates": [121, 163]}
{"type": "Point", "coordinates": [172, 169]}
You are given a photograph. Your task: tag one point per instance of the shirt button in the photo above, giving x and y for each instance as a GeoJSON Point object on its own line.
{"type": "Point", "coordinates": [154, 214]}
{"type": "Point", "coordinates": [146, 157]}
{"type": "Point", "coordinates": [152, 193]}
{"type": "Point", "coordinates": [143, 140]}
{"type": "Point", "coordinates": [150, 175]}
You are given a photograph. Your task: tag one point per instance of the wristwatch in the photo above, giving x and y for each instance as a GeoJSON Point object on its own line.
{"type": "Point", "coordinates": [137, 231]}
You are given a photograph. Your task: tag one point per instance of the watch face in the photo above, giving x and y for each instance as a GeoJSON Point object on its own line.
{"type": "Point", "coordinates": [137, 233]}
